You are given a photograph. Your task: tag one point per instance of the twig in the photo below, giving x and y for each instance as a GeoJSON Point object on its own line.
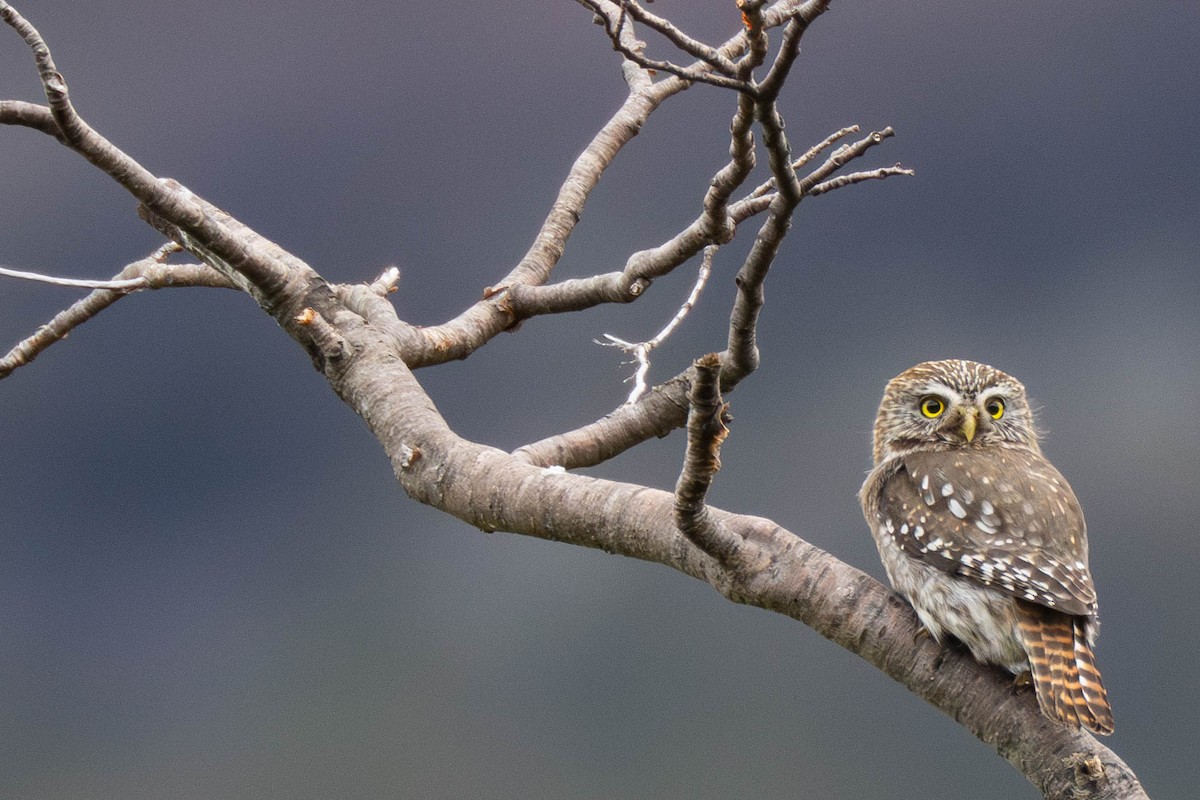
{"type": "Point", "coordinates": [843, 155]}
{"type": "Point", "coordinates": [694, 47]}
{"type": "Point", "coordinates": [125, 285]}
{"type": "Point", "coordinates": [148, 273]}
{"type": "Point", "coordinates": [706, 429]}
{"type": "Point", "coordinates": [759, 200]}
{"type": "Point", "coordinates": [858, 177]}
{"type": "Point", "coordinates": [616, 26]}
{"type": "Point", "coordinates": [641, 350]}
{"type": "Point", "coordinates": [808, 155]}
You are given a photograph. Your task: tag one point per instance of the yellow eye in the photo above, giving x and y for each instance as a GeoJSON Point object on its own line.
{"type": "Point", "coordinates": [995, 408]}
{"type": "Point", "coordinates": [932, 407]}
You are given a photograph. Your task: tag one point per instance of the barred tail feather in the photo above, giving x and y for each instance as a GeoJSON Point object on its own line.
{"type": "Point", "coordinates": [1045, 666]}
{"type": "Point", "coordinates": [1090, 686]}
{"type": "Point", "coordinates": [1065, 677]}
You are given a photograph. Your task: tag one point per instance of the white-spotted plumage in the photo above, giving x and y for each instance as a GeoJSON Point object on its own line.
{"type": "Point", "coordinates": [982, 535]}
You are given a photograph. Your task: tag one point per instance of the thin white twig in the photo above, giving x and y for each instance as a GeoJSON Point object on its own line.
{"type": "Point", "coordinates": [701, 280]}
{"type": "Point", "coordinates": [127, 285]}
{"type": "Point", "coordinates": [641, 350]}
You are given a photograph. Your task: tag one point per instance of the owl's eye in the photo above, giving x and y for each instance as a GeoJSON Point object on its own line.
{"type": "Point", "coordinates": [995, 408]}
{"type": "Point", "coordinates": [932, 406]}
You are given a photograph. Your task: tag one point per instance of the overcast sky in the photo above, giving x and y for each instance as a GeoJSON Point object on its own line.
{"type": "Point", "coordinates": [211, 585]}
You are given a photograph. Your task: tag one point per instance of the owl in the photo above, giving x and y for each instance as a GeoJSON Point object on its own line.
{"type": "Point", "coordinates": [982, 535]}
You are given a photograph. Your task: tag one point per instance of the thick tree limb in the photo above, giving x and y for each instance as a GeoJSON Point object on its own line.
{"type": "Point", "coordinates": [775, 570]}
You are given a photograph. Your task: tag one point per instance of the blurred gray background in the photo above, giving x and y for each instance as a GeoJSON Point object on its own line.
{"type": "Point", "coordinates": [210, 584]}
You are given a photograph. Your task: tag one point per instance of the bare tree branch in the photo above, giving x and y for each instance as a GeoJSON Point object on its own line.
{"type": "Point", "coordinates": [616, 24]}
{"type": "Point", "coordinates": [808, 155]}
{"type": "Point", "coordinates": [665, 408]}
{"type": "Point", "coordinates": [512, 298]}
{"type": "Point", "coordinates": [716, 224]}
{"type": "Point", "coordinates": [694, 47]}
{"type": "Point", "coordinates": [29, 115]}
{"type": "Point", "coordinates": [706, 429]}
{"type": "Point", "coordinates": [858, 177]}
{"type": "Point", "coordinates": [641, 350]}
{"type": "Point", "coordinates": [147, 273]}
{"type": "Point", "coordinates": [656, 413]}
{"type": "Point", "coordinates": [742, 350]}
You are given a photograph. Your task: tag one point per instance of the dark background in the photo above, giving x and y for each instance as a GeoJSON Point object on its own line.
{"type": "Point", "coordinates": [210, 584]}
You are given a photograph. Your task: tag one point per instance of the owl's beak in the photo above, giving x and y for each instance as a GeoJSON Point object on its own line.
{"type": "Point", "coordinates": [970, 421]}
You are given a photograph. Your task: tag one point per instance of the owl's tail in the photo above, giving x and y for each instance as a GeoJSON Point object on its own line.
{"type": "Point", "coordinates": [1064, 671]}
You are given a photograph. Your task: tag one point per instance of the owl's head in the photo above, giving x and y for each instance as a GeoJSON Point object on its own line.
{"type": "Point", "coordinates": [952, 404]}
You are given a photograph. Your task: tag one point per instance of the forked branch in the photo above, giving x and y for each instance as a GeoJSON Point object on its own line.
{"type": "Point", "coordinates": [148, 273]}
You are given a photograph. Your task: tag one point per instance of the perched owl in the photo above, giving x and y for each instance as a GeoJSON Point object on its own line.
{"type": "Point", "coordinates": [982, 535]}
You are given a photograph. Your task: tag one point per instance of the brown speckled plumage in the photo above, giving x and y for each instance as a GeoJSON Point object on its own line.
{"type": "Point", "coordinates": [982, 535]}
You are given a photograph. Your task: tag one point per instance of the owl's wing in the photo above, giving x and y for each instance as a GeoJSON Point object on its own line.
{"type": "Point", "coordinates": [1006, 519]}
